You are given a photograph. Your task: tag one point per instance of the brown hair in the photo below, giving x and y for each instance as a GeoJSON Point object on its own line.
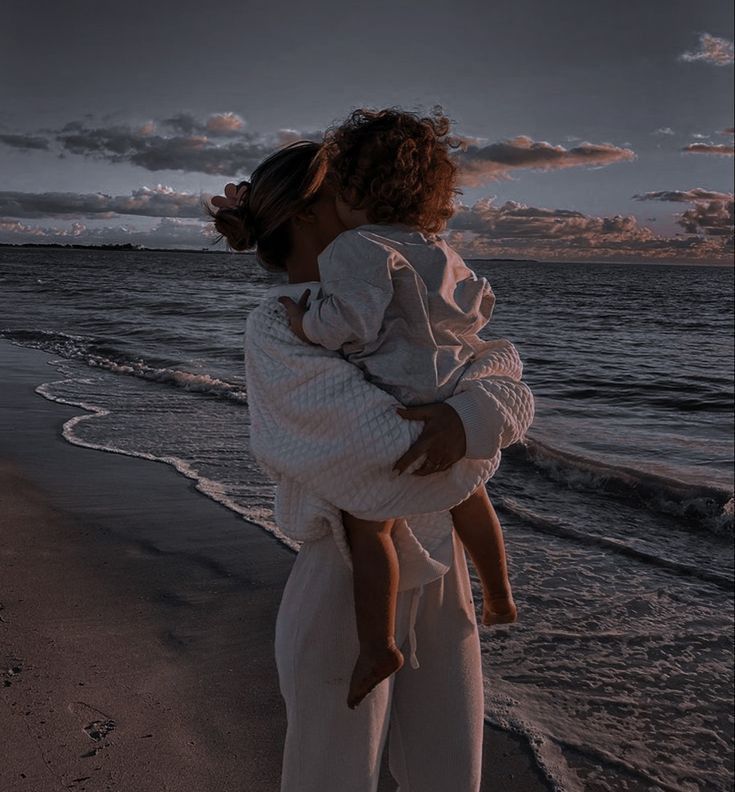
{"type": "Point", "coordinates": [395, 165]}
{"type": "Point", "coordinates": [283, 185]}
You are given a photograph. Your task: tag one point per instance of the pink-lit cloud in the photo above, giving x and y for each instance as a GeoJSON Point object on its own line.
{"type": "Point", "coordinates": [711, 212]}
{"type": "Point", "coordinates": [497, 161]}
{"type": "Point", "coordinates": [516, 230]}
{"type": "Point", "coordinates": [225, 124]}
{"type": "Point", "coordinates": [219, 144]}
{"type": "Point", "coordinates": [719, 149]}
{"type": "Point", "coordinates": [157, 201]}
{"type": "Point", "coordinates": [712, 49]}
{"type": "Point", "coordinates": [687, 196]}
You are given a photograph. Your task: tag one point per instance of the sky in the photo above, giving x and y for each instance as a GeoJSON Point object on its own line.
{"type": "Point", "coordinates": [593, 130]}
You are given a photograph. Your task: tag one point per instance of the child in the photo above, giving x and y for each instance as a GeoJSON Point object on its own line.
{"type": "Point", "coordinates": [403, 306]}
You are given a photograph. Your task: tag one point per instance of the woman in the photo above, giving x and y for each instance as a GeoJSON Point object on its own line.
{"type": "Point", "coordinates": [434, 709]}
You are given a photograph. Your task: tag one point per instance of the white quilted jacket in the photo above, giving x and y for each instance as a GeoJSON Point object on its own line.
{"type": "Point", "coordinates": [329, 438]}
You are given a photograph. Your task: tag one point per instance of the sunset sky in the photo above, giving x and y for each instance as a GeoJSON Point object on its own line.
{"type": "Point", "coordinates": [594, 130]}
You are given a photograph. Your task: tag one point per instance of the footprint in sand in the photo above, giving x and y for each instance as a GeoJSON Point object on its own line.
{"type": "Point", "coordinates": [97, 725]}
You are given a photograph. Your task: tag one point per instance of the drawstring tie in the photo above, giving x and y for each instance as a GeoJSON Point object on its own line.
{"type": "Point", "coordinates": [415, 597]}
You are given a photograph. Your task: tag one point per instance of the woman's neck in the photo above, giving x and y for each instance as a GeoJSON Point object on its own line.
{"type": "Point", "coordinates": [302, 267]}
{"type": "Point", "coordinates": [293, 278]}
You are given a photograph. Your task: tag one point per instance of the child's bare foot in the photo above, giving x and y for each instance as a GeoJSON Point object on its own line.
{"type": "Point", "coordinates": [374, 664]}
{"type": "Point", "coordinates": [498, 610]}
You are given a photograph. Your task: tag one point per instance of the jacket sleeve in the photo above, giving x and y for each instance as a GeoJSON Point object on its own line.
{"type": "Point", "coordinates": [351, 311]}
{"type": "Point", "coordinates": [495, 406]}
{"type": "Point", "coordinates": [352, 307]}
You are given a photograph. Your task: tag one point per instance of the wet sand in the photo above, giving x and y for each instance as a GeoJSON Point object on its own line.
{"type": "Point", "coordinates": [137, 619]}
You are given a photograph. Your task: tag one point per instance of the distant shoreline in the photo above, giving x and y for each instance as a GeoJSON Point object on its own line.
{"type": "Point", "coordinates": [142, 249]}
{"type": "Point", "coordinates": [128, 247]}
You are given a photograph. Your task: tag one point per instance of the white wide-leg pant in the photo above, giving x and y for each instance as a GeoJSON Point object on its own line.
{"type": "Point", "coordinates": [435, 712]}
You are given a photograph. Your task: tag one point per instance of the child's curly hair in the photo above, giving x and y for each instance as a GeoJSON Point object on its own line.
{"type": "Point", "coordinates": [395, 165]}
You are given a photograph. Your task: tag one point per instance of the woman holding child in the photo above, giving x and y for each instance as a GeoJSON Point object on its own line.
{"type": "Point", "coordinates": [377, 324]}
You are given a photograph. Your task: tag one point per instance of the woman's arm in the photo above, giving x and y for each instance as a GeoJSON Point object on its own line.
{"type": "Point", "coordinates": [316, 420]}
{"type": "Point", "coordinates": [495, 406]}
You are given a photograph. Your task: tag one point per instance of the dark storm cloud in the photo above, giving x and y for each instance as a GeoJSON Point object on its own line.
{"type": "Point", "coordinates": [158, 201]}
{"type": "Point", "coordinates": [712, 49]}
{"type": "Point", "coordinates": [516, 230]}
{"type": "Point", "coordinates": [27, 142]}
{"type": "Point", "coordinates": [479, 164]}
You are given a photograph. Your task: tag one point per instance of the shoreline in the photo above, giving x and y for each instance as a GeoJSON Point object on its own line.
{"type": "Point", "coordinates": [137, 618]}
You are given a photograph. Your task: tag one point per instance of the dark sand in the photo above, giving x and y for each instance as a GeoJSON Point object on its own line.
{"type": "Point", "coordinates": [137, 620]}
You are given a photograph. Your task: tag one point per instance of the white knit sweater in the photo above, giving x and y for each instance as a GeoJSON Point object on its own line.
{"type": "Point", "coordinates": [328, 438]}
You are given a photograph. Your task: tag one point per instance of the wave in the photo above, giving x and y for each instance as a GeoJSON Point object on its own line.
{"type": "Point", "coordinates": [83, 349]}
{"type": "Point", "coordinates": [209, 487]}
{"type": "Point", "coordinates": [556, 527]}
{"type": "Point", "coordinates": [708, 507]}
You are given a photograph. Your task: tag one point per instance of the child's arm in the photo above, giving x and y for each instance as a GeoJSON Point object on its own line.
{"type": "Point", "coordinates": [357, 287]}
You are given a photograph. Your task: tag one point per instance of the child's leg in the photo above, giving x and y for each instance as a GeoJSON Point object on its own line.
{"type": "Point", "coordinates": [479, 529]}
{"type": "Point", "coordinates": [375, 572]}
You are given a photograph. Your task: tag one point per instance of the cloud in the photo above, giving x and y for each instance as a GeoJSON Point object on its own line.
{"type": "Point", "coordinates": [158, 201]}
{"type": "Point", "coordinates": [711, 214]}
{"type": "Point", "coordinates": [221, 145]}
{"type": "Point", "coordinates": [218, 144]}
{"type": "Point", "coordinates": [193, 152]}
{"type": "Point", "coordinates": [664, 131]}
{"type": "Point", "coordinates": [719, 149]}
{"type": "Point", "coordinates": [497, 161]}
{"type": "Point", "coordinates": [516, 230]}
{"type": "Point", "coordinates": [170, 232]}
{"type": "Point", "coordinates": [688, 196]}
{"type": "Point", "coordinates": [510, 230]}
{"type": "Point", "coordinates": [712, 218]}
{"type": "Point", "coordinates": [26, 142]}
{"type": "Point", "coordinates": [217, 124]}
{"type": "Point", "coordinates": [712, 49]}
{"type": "Point", "coordinates": [225, 124]}
{"type": "Point", "coordinates": [15, 231]}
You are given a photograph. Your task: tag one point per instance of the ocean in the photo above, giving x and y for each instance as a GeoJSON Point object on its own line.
{"type": "Point", "coordinates": [617, 508]}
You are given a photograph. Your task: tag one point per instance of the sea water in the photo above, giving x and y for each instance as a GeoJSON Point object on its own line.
{"type": "Point", "coordinates": [617, 508]}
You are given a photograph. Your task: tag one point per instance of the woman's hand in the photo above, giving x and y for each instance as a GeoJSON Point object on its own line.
{"type": "Point", "coordinates": [442, 440]}
{"type": "Point", "coordinates": [233, 196]}
{"type": "Point", "coordinates": [296, 311]}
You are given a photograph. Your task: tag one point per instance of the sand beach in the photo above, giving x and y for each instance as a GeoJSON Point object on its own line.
{"type": "Point", "coordinates": [137, 620]}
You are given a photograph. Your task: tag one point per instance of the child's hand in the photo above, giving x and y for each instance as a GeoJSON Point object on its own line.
{"type": "Point", "coordinates": [296, 311]}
